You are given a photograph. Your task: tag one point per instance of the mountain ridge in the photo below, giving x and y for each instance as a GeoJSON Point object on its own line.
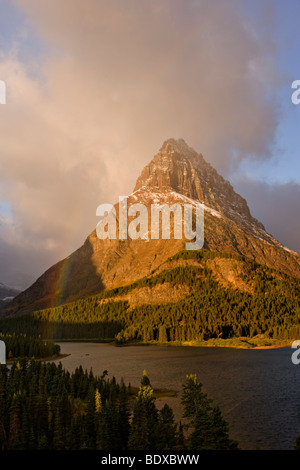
{"type": "Point", "coordinates": [196, 295]}
{"type": "Point", "coordinates": [7, 294]}
{"type": "Point", "coordinates": [176, 174]}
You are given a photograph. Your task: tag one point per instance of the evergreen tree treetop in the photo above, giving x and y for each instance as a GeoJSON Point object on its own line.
{"type": "Point", "coordinates": [145, 379]}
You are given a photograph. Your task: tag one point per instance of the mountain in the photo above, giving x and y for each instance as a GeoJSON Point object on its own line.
{"type": "Point", "coordinates": [176, 174]}
{"type": "Point", "coordinates": [7, 294]}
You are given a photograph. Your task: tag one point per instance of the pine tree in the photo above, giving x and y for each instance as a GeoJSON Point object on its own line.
{"type": "Point", "coordinates": [180, 445]}
{"type": "Point", "coordinates": [90, 419]}
{"type": "Point", "coordinates": [166, 429]}
{"type": "Point", "coordinates": [211, 431]}
{"type": "Point", "coordinates": [15, 432]}
{"type": "Point", "coordinates": [3, 414]}
{"type": "Point", "coordinates": [98, 421]}
{"type": "Point", "coordinates": [124, 417]}
{"type": "Point", "coordinates": [193, 398]}
{"type": "Point", "coordinates": [111, 439]}
{"type": "Point", "coordinates": [202, 437]}
{"type": "Point", "coordinates": [98, 403]}
{"type": "Point", "coordinates": [58, 436]}
{"type": "Point", "coordinates": [139, 432]}
{"type": "Point", "coordinates": [145, 380]}
{"type": "Point", "coordinates": [163, 337]}
{"type": "Point", "coordinates": [43, 443]}
{"type": "Point", "coordinates": [221, 440]}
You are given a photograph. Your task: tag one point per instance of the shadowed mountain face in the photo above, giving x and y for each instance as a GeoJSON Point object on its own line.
{"type": "Point", "coordinates": [177, 174]}
{"type": "Point", "coordinates": [7, 294]}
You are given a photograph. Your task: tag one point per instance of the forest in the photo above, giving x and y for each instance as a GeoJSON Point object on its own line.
{"type": "Point", "coordinates": [25, 346]}
{"type": "Point", "coordinates": [43, 406]}
{"type": "Point", "coordinates": [270, 307]}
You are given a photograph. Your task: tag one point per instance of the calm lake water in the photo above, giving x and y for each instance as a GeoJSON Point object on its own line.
{"type": "Point", "coordinates": [258, 391]}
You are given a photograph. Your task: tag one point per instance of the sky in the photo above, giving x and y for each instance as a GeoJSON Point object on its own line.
{"type": "Point", "coordinates": [94, 88]}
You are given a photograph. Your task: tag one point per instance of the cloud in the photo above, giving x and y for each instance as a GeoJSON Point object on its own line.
{"type": "Point", "coordinates": [277, 205]}
{"type": "Point", "coordinates": [118, 79]}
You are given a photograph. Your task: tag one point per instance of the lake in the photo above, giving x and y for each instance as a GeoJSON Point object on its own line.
{"type": "Point", "coordinates": [257, 389]}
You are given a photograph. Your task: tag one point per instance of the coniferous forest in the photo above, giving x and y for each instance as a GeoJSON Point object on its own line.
{"type": "Point", "coordinates": [42, 406]}
{"type": "Point", "coordinates": [269, 306]}
{"type": "Point", "coordinates": [25, 346]}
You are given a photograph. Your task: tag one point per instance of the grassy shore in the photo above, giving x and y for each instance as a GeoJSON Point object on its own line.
{"type": "Point", "coordinates": [257, 342]}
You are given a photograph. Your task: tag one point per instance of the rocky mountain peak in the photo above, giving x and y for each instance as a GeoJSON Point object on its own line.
{"type": "Point", "coordinates": [178, 147]}
{"type": "Point", "coordinates": [177, 167]}
{"type": "Point", "coordinates": [176, 174]}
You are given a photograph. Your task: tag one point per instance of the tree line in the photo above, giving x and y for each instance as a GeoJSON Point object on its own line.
{"type": "Point", "coordinates": [25, 346]}
{"type": "Point", "coordinates": [43, 406]}
{"type": "Point", "coordinates": [270, 306]}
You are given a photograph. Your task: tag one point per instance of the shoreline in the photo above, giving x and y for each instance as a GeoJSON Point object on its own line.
{"type": "Point", "coordinates": [55, 357]}
{"type": "Point", "coordinates": [257, 342]}
{"type": "Point", "coordinates": [235, 343]}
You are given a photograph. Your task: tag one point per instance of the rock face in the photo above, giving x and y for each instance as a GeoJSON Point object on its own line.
{"type": "Point", "coordinates": [177, 174]}
{"type": "Point", "coordinates": [179, 168]}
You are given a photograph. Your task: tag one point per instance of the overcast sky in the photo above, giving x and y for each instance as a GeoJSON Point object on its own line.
{"type": "Point", "coordinates": [94, 87]}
